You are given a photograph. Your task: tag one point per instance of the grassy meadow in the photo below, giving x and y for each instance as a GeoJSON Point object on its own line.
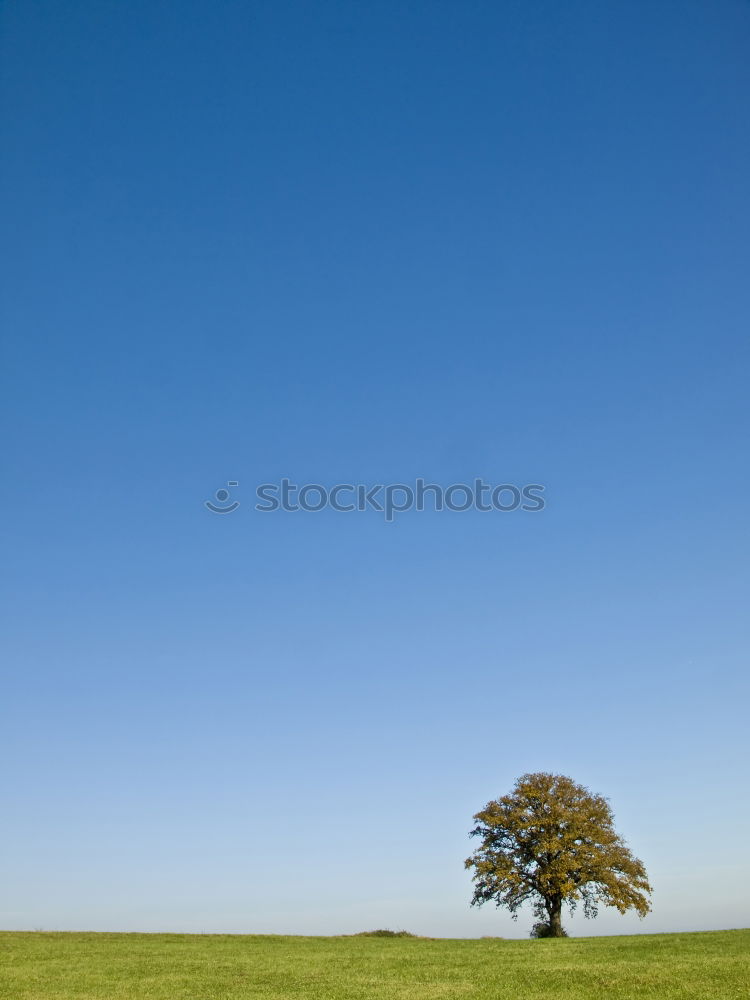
{"type": "Point", "coordinates": [82, 966]}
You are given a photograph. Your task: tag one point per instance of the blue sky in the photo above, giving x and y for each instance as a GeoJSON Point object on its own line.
{"type": "Point", "coordinates": [367, 243]}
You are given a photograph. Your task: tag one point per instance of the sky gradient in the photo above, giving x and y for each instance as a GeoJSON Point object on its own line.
{"type": "Point", "coordinates": [366, 243]}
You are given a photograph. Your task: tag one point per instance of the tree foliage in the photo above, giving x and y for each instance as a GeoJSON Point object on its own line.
{"type": "Point", "coordinates": [551, 842]}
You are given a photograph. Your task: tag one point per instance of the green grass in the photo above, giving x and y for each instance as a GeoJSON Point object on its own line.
{"type": "Point", "coordinates": [57, 966]}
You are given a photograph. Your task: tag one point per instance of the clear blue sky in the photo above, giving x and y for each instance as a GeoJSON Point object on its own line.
{"type": "Point", "coordinates": [347, 242]}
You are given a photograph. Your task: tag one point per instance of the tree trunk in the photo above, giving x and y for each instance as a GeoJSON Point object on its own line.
{"type": "Point", "coordinates": [554, 909]}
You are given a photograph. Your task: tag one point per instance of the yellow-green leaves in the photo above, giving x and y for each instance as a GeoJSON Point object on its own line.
{"type": "Point", "coordinates": [552, 842]}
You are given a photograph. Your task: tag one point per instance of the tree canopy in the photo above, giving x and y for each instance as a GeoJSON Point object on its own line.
{"type": "Point", "coordinates": [552, 842]}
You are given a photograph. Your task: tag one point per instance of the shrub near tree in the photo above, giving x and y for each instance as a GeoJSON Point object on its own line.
{"type": "Point", "coordinates": [552, 843]}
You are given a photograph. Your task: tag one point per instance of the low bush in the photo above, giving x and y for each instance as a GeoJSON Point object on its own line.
{"type": "Point", "coordinates": [543, 930]}
{"type": "Point", "coordinates": [385, 933]}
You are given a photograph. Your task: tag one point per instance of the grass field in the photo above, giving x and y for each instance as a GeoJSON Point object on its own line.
{"type": "Point", "coordinates": [43, 966]}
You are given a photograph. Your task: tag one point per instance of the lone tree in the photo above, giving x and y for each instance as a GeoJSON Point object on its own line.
{"type": "Point", "coordinates": [552, 842]}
